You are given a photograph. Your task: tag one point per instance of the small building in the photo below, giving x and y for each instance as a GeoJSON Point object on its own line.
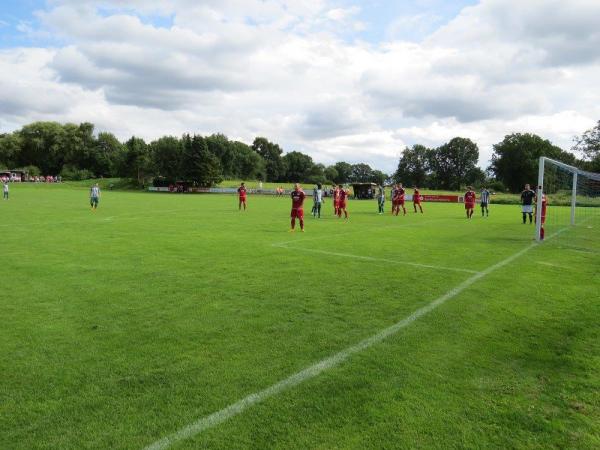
{"type": "Point", "coordinates": [364, 191]}
{"type": "Point", "coordinates": [13, 175]}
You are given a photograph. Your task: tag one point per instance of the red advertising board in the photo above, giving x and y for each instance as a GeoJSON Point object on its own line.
{"type": "Point", "coordinates": [442, 198]}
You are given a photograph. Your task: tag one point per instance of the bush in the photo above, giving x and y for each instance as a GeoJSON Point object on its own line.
{"type": "Point", "coordinates": [496, 186]}
{"type": "Point", "coordinates": [71, 173]}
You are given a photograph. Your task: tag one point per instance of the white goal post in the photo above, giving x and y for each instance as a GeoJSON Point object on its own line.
{"type": "Point", "coordinates": [575, 173]}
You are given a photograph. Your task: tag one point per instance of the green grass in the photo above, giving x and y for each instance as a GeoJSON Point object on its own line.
{"type": "Point", "coordinates": [119, 327]}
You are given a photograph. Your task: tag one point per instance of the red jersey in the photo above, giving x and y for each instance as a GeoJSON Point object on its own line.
{"type": "Point", "coordinates": [417, 196]}
{"type": "Point", "coordinates": [298, 199]}
{"type": "Point", "coordinates": [470, 198]}
{"type": "Point", "coordinates": [399, 194]}
{"type": "Point", "coordinates": [544, 207]}
{"type": "Point", "coordinates": [242, 192]}
{"type": "Point", "coordinates": [342, 196]}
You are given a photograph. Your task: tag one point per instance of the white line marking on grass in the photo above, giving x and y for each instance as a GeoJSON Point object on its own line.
{"type": "Point", "coordinates": [316, 369]}
{"type": "Point", "coordinates": [373, 259]}
{"type": "Point", "coordinates": [25, 225]}
{"type": "Point", "coordinates": [319, 238]}
{"type": "Point", "coordinates": [544, 263]}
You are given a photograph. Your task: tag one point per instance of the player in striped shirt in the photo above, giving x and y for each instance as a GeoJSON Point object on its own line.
{"type": "Point", "coordinates": [94, 196]}
{"type": "Point", "coordinates": [485, 201]}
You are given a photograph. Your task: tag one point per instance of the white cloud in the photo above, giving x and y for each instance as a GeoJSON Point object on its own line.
{"type": "Point", "coordinates": [286, 70]}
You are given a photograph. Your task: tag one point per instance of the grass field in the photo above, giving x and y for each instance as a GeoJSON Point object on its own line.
{"type": "Point", "coordinates": [123, 326]}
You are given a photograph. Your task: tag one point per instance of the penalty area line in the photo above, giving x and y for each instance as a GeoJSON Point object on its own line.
{"type": "Point", "coordinates": [373, 259]}
{"type": "Point", "coordinates": [316, 369]}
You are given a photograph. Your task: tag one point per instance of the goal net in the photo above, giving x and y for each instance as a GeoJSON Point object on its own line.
{"type": "Point", "coordinates": [568, 206]}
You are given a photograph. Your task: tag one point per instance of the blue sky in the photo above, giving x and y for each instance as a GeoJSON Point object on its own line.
{"type": "Point", "coordinates": [383, 19]}
{"type": "Point", "coordinates": [421, 17]}
{"type": "Point", "coordinates": [13, 13]}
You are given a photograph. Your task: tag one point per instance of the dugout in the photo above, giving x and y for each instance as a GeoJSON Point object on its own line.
{"type": "Point", "coordinates": [364, 191]}
{"type": "Point", "coordinates": [14, 175]}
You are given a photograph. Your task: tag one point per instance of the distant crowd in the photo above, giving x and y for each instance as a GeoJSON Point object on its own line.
{"type": "Point", "coordinates": [11, 178]}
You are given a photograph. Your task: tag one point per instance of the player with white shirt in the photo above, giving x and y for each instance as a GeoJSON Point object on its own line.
{"type": "Point", "coordinates": [94, 196]}
{"type": "Point", "coordinates": [5, 190]}
{"type": "Point", "coordinates": [317, 201]}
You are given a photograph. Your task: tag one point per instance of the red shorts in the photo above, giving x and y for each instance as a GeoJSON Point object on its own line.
{"type": "Point", "coordinates": [243, 199]}
{"type": "Point", "coordinates": [297, 213]}
{"type": "Point", "coordinates": [398, 203]}
{"type": "Point", "coordinates": [417, 202]}
{"type": "Point", "coordinates": [336, 204]}
{"type": "Point", "coordinates": [342, 205]}
{"type": "Point", "coordinates": [469, 205]}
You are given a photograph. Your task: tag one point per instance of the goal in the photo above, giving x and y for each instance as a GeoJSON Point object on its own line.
{"type": "Point", "coordinates": [568, 200]}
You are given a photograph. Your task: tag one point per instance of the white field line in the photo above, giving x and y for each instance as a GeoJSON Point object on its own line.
{"type": "Point", "coordinates": [316, 369]}
{"type": "Point", "coordinates": [544, 263]}
{"type": "Point", "coordinates": [320, 238]}
{"type": "Point", "coordinates": [24, 224]}
{"type": "Point", "coordinates": [373, 259]}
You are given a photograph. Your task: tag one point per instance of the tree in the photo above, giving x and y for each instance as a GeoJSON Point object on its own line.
{"type": "Point", "coordinates": [298, 166]}
{"type": "Point", "coordinates": [247, 163]}
{"type": "Point", "coordinates": [275, 167]}
{"type": "Point", "coordinates": [198, 163]}
{"type": "Point", "coordinates": [413, 167]}
{"type": "Point", "coordinates": [108, 152]}
{"type": "Point", "coordinates": [589, 144]}
{"type": "Point", "coordinates": [475, 177]}
{"type": "Point", "coordinates": [331, 174]}
{"type": "Point", "coordinates": [10, 148]}
{"type": "Point", "coordinates": [43, 146]}
{"type": "Point", "coordinates": [515, 159]}
{"type": "Point", "coordinates": [223, 148]}
{"type": "Point", "coordinates": [316, 174]}
{"type": "Point", "coordinates": [453, 161]}
{"type": "Point", "coordinates": [361, 173]}
{"type": "Point", "coordinates": [378, 177]}
{"type": "Point", "coordinates": [344, 172]}
{"type": "Point", "coordinates": [135, 160]}
{"type": "Point", "coordinates": [166, 154]}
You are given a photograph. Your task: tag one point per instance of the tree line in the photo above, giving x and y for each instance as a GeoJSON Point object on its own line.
{"type": "Point", "coordinates": [514, 161]}
{"type": "Point", "coordinates": [77, 152]}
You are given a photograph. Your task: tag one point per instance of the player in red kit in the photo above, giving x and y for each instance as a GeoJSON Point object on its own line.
{"type": "Point", "coordinates": [242, 195]}
{"type": "Point", "coordinates": [336, 200]}
{"type": "Point", "coordinates": [544, 208]}
{"type": "Point", "coordinates": [342, 202]}
{"type": "Point", "coordinates": [398, 200]}
{"type": "Point", "coordinates": [470, 198]}
{"type": "Point", "coordinates": [297, 207]}
{"type": "Point", "coordinates": [417, 200]}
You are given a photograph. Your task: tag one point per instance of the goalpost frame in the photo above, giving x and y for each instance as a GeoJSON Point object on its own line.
{"type": "Point", "coordinates": [540, 189]}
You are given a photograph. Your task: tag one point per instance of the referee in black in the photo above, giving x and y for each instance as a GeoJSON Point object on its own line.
{"type": "Point", "coordinates": [527, 198]}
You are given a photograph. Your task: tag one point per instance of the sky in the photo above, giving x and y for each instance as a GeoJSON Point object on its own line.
{"type": "Point", "coordinates": [338, 79]}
